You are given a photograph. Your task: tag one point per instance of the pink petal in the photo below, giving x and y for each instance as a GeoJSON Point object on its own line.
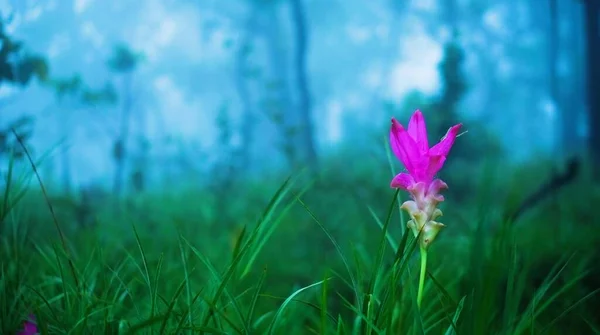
{"type": "Point", "coordinates": [29, 327]}
{"type": "Point", "coordinates": [443, 148]}
{"type": "Point", "coordinates": [418, 131]}
{"type": "Point", "coordinates": [417, 191]}
{"type": "Point", "coordinates": [403, 181]}
{"type": "Point", "coordinates": [435, 165]}
{"type": "Point", "coordinates": [436, 186]}
{"type": "Point", "coordinates": [403, 146]}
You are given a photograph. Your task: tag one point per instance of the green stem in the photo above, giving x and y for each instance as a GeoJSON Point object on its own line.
{"type": "Point", "coordinates": [422, 276]}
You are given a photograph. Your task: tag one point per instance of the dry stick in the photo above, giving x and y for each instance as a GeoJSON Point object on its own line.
{"type": "Point", "coordinates": [556, 182]}
{"type": "Point", "coordinates": [47, 199]}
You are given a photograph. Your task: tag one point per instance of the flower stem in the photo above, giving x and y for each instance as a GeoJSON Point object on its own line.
{"type": "Point", "coordinates": [422, 276]}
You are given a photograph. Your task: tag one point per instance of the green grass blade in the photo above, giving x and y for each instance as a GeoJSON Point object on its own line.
{"type": "Point", "coordinates": [266, 218]}
{"type": "Point", "coordinates": [452, 327]}
{"type": "Point", "coordinates": [146, 272]}
{"type": "Point", "coordinates": [254, 300]}
{"type": "Point", "coordinates": [287, 302]}
{"type": "Point", "coordinates": [568, 310]}
{"type": "Point", "coordinates": [222, 289]}
{"type": "Point", "coordinates": [163, 326]}
{"type": "Point", "coordinates": [355, 286]}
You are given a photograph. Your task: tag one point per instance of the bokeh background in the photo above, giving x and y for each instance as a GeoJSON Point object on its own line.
{"type": "Point", "coordinates": [149, 121]}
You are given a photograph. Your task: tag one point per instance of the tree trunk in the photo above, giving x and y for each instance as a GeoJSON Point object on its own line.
{"type": "Point", "coordinates": [241, 74]}
{"type": "Point", "coordinates": [592, 13]}
{"type": "Point", "coordinates": [120, 150]}
{"type": "Point", "coordinates": [450, 13]}
{"type": "Point", "coordinates": [572, 90]}
{"type": "Point", "coordinates": [553, 47]}
{"type": "Point", "coordinates": [278, 95]}
{"type": "Point", "coordinates": [65, 157]}
{"type": "Point", "coordinates": [304, 104]}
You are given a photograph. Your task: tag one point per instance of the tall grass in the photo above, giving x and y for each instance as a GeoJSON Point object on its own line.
{"type": "Point", "coordinates": [318, 259]}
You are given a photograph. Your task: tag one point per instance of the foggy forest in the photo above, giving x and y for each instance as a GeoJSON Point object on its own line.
{"type": "Point", "coordinates": [299, 167]}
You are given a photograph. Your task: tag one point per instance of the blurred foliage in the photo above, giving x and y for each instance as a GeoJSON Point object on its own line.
{"type": "Point", "coordinates": [104, 95]}
{"type": "Point", "coordinates": [67, 86]}
{"type": "Point", "coordinates": [17, 65]}
{"type": "Point", "coordinates": [123, 59]}
{"type": "Point", "coordinates": [75, 87]}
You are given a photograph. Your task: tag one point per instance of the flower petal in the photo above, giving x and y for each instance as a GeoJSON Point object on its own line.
{"type": "Point", "coordinates": [433, 192]}
{"type": "Point", "coordinates": [443, 148]}
{"type": "Point", "coordinates": [403, 146]}
{"type": "Point", "coordinates": [29, 328]}
{"type": "Point", "coordinates": [435, 165]}
{"type": "Point", "coordinates": [403, 181]}
{"type": "Point", "coordinates": [436, 186]}
{"type": "Point", "coordinates": [410, 207]}
{"type": "Point", "coordinates": [436, 214]}
{"type": "Point", "coordinates": [418, 131]}
{"type": "Point", "coordinates": [430, 231]}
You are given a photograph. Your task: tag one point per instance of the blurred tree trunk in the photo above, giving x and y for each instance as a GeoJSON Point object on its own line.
{"type": "Point", "coordinates": [306, 132]}
{"type": "Point", "coordinates": [120, 149]}
{"type": "Point", "coordinates": [242, 72]}
{"type": "Point", "coordinates": [572, 90]}
{"type": "Point", "coordinates": [278, 96]}
{"type": "Point", "coordinates": [65, 159]}
{"type": "Point", "coordinates": [124, 62]}
{"type": "Point", "coordinates": [65, 162]}
{"type": "Point", "coordinates": [450, 13]}
{"type": "Point", "coordinates": [139, 175]}
{"type": "Point", "coordinates": [553, 47]}
{"type": "Point", "coordinates": [592, 26]}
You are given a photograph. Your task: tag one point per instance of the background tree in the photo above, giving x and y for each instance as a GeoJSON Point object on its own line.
{"type": "Point", "coordinates": [553, 53]}
{"type": "Point", "coordinates": [18, 67]}
{"type": "Point", "coordinates": [245, 72]}
{"type": "Point", "coordinates": [301, 34]}
{"type": "Point", "coordinates": [124, 62]}
{"type": "Point", "coordinates": [592, 33]}
{"type": "Point", "coordinates": [573, 82]}
{"type": "Point", "coordinates": [72, 96]}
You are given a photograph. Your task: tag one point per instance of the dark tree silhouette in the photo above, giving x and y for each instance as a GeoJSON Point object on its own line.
{"type": "Point", "coordinates": [553, 48]}
{"type": "Point", "coordinates": [243, 72]}
{"type": "Point", "coordinates": [592, 27]}
{"type": "Point", "coordinates": [572, 87]}
{"type": "Point", "coordinates": [123, 61]}
{"type": "Point", "coordinates": [18, 66]}
{"type": "Point", "coordinates": [305, 103]}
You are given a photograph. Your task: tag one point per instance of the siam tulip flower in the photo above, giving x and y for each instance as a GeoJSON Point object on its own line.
{"type": "Point", "coordinates": [29, 327]}
{"type": "Point", "coordinates": [422, 164]}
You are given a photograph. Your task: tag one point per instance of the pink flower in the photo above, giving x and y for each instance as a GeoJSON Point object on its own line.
{"type": "Point", "coordinates": [422, 164]}
{"type": "Point", "coordinates": [412, 149]}
{"type": "Point", "coordinates": [29, 327]}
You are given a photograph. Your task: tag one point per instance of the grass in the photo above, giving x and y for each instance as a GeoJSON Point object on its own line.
{"type": "Point", "coordinates": [326, 257]}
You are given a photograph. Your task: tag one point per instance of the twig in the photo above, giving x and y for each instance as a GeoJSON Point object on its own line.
{"type": "Point", "coordinates": [556, 182]}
